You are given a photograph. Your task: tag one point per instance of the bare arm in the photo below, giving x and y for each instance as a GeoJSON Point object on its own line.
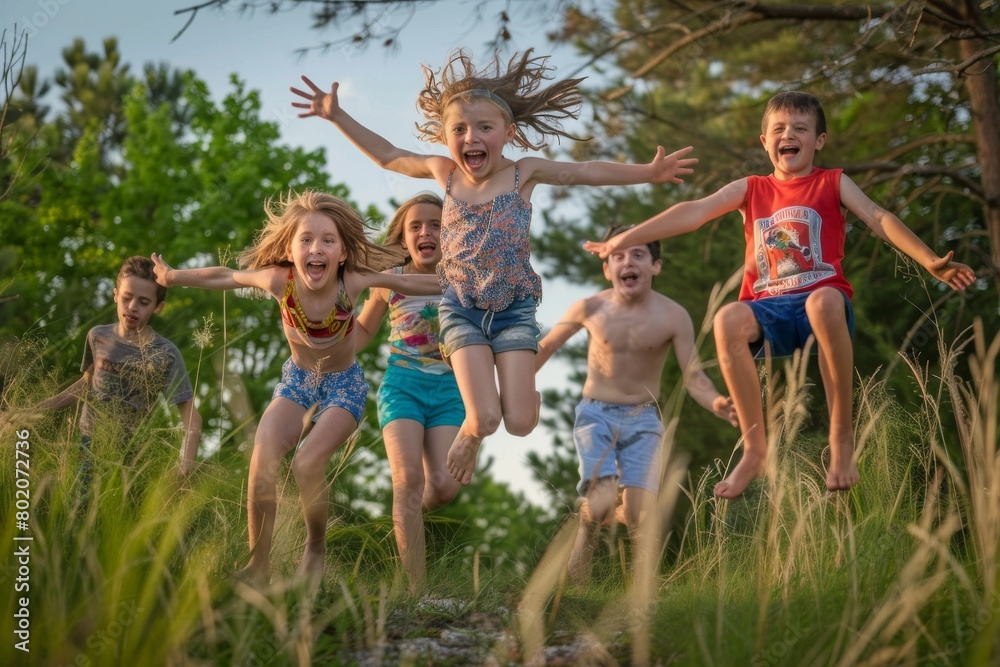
{"type": "Point", "coordinates": [676, 220]}
{"type": "Point", "coordinates": [698, 384]}
{"type": "Point", "coordinates": [327, 105]}
{"type": "Point", "coordinates": [212, 277]}
{"type": "Point", "coordinates": [370, 318]}
{"type": "Point", "coordinates": [191, 419]}
{"type": "Point", "coordinates": [662, 169]}
{"type": "Point", "coordinates": [891, 229]}
{"type": "Point", "coordinates": [411, 284]}
{"type": "Point", "coordinates": [569, 324]}
{"type": "Point", "coordinates": [69, 396]}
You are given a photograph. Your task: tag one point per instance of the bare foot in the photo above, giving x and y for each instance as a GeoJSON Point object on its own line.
{"type": "Point", "coordinates": [749, 468]}
{"type": "Point", "coordinates": [311, 568]}
{"type": "Point", "coordinates": [462, 457]}
{"type": "Point", "coordinates": [252, 575]}
{"type": "Point", "coordinates": [843, 471]}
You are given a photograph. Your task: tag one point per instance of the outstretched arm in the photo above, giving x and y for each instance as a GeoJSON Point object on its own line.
{"type": "Point", "coordinates": [375, 146]}
{"type": "Point", "coordinates": [676, 220]}
{"type": "Point", "coordinates": [411, 284]}
{"type": "Point", "coordinates": [663, 169]}
{"type": "Point", "coordinates": [211, 277]}
{"type": "Point", "coordinates": [569, 324]}
{"type": "Point", "coordinates": [891, 229]}
{"type": "Point", "coordinates": [698, 384]}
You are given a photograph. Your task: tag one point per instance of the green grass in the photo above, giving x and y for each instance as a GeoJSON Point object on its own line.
{"type": "Point", "coordinates": [901, 570]}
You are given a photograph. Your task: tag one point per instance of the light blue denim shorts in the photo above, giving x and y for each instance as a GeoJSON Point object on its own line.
{"type": "Point", "coordinates": [514, 328]}
{"type": "Point", "coordinates": [620, 441]}
{"type": "Point", "coordinates": [408, 393]}
{"type": "Point", "coordinates": [345, 389]}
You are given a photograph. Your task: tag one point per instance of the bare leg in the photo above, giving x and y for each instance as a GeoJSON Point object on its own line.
{"type": "Point", "coordinates": [518, 398]}
{"type": "Point", "coordinates": [278, 432]}
{"type": "Point", "coordinates": [333, 428]}
{"type": "Point", "coordinates": [735, 328]}
{"type": "Point", "coordinates": [473, 367]}
{"type": "Point", "coordinates": [601, 498]}
{"type": "Point", "coordinates": [407, 446]}
{"type": "Point", "coordinates": [825, 310]}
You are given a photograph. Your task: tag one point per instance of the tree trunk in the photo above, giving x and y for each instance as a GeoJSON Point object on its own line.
{"type": "Point", "coordinates": [981, 83]}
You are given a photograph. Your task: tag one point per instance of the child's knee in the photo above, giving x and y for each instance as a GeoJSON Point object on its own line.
{"type": "Point", "coordinates": [482, 423]}
{"type": "Point", "coordinates": [735, 321]}
{"type": "Point", "coordinates": [826, 304]}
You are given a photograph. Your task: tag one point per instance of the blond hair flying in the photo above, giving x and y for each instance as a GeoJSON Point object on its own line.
{"type": "Point", "coordinates": [273, 242]}
{"type": "Point", "coordinates": [515, 90]}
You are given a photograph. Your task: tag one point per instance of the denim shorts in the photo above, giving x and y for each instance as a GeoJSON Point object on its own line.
{"type": "Point", "coordinates": [620, 441]}
{"type": "Point", "coordinates": [785, 325]}
{"type": "Point", "coordinates": [513, 328]}
{"type": "Point", "coordinates": [407, 393]}
{"type": "Point", "coordinates": [345, 389]}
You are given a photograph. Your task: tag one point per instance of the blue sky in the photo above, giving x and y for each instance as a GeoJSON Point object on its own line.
{"type": "Point", "coordinates": [379, 87]}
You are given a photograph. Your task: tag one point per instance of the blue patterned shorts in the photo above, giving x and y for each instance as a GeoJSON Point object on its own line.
{"type": "Point", "coordinates": [345, 389]}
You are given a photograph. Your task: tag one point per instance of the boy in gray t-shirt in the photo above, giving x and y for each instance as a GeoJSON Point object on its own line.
{"type": "Point", "coordinates": [127, 366]}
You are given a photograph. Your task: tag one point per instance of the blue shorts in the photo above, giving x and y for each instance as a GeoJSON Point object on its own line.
{"type": "Point", "coordinates": [620, 441]}
{"type": "Point", "coordinates": [513, 328]}
{"type": "Point", "coordinates": [785, 325]}
{"type": "Point", "coordinates": [345, 389]}
{"type": "Point", "coordinates": [407, 393]}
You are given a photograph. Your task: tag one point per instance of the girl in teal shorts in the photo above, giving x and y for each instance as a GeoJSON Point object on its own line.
{"type": "Point", "coordinates": [419, 406]}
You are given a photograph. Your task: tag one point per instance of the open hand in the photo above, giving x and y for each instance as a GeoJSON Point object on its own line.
{"type": "Point", "coordinates": [956, 275]}
{"type": "Point", "coordinates": [322, 104]}
{"type": "Point", "coordinates": [161, 270]}
{"type": "Point", "coordinates": [670, 168]}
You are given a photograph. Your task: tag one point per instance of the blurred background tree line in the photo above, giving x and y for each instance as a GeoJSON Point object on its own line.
{"type": "Point", "coordinates": [111, 162]}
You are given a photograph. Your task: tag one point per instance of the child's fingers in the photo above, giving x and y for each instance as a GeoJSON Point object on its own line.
{"type": "Point", "coordinates": [313, 86]}
{"type": "Point", "coordinates": [301, 93]}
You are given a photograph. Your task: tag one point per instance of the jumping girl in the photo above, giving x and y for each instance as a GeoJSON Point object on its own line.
{"type": "Point", "coordinates": [314, 258]}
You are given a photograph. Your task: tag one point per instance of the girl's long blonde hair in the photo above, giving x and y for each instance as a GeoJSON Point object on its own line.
{"type": "Point", "coordinates": [394, 232]}
{"type": "Point", "coordinates": [273, 242]}
{"type": "Point", "coordinates": [516, 86]}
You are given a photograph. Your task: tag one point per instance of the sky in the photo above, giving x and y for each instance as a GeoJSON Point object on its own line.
{"type": "Point", "coordinates": [379, 87]}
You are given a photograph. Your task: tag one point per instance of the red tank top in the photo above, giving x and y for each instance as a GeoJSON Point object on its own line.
{"type": "Point", "coordinates": [794, 235]}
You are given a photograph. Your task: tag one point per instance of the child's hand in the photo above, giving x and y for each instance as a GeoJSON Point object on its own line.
{"type": "Point", "coordinates": [956, 275]}
{"type": "Point", "coordinates": [324, 105]}
{"type": "Point", "coordinates": [161, 270]}
{"type": "Point", "coordinates": [600, 248]}
{"type": "Point", "coordinates": [723, 408]}
{"type": "Point", "coordinates": [670, 168]}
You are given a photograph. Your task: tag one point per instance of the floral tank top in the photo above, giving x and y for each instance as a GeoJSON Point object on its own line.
{"type": "Point", "coordinates": [414, 332]}
{"type": "Point", "coordinates": [485, 250]}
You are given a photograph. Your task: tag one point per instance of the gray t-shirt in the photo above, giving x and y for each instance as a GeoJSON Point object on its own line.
{"type": "Point", "coordinates": [130, 377]}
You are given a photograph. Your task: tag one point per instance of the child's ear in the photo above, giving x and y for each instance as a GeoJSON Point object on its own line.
{"type": "Point", "coordinates": [511, 129]}
{"type": "Point", "coordinates": [821, 141]}
{"type": "Point", "coordinates": [657, 266]}
{"type": "Point", "coordinates": [607, 271]}
{"type": "Point", "coordinates": [114, 295]}
{"type": "Point", "coordinates": [159, 307]}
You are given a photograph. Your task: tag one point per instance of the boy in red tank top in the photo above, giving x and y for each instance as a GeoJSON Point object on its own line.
{"type": "Point", "coordinates": [793, 283]}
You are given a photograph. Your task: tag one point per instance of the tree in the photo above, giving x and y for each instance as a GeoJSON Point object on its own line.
{"type": "Point", "coordinates": [910, 95]}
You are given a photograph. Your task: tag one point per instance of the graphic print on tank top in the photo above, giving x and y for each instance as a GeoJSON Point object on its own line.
{"type": "Point", "coordinates": [788, 252]}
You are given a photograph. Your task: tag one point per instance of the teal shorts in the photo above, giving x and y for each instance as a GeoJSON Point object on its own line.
{"type": "Point", "coordinates": [432, 400]}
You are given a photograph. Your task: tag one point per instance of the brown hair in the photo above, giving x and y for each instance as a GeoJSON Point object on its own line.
{"type": "Point", "coordinates": [516, 89]}
{"type": "Point", "coordinates": [796, 101]}
{"type": "Point", "coordinates": [614, 230]}
{"type": "Point", "coordinates": [138, 266]}
{"type": "Point", "coordinates": [283, 217]}
{"type": "Point", "coordinates": [394, 232]}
